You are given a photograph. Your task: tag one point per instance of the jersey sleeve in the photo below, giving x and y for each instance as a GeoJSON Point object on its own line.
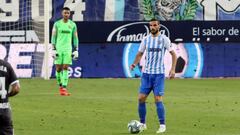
{"type": "Point", "coordinates": [54, 34]}
{"type": "Point", "coordinates": [75, 37]}
{"type": "Point", "coordinates": [142, 46]}
{"type": "Point", "coordinates": [168, 44]}
{"type": "Point", "coordinates": [12, 78]}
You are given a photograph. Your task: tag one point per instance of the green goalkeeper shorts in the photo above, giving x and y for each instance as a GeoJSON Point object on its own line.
{"type": "Point", "coordinates": [64, 57]}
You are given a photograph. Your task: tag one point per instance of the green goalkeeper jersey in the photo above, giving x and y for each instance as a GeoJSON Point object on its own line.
{"type": "Point", "coordinates": [62, 35]}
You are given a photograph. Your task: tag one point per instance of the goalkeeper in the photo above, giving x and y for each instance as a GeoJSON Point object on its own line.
{"type": "Point", "coordinates": [64, 30]}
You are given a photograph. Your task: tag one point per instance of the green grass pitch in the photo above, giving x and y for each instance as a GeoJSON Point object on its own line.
{"type": "Point", "coordinates": [105, 106]}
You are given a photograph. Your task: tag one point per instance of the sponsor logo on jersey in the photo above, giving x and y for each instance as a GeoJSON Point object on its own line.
{"type": "Point", "coordinates": [154, 49]}
{"type": "Point", "coordinates": [66, 31]}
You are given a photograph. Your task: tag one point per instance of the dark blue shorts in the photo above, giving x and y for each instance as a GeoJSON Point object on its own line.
{"type": "Point", "coordinates": [153, 82]}
{"type": "Point", "coordinates": [6, 126]}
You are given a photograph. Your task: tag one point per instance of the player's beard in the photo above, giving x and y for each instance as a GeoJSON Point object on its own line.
{"type": "Point", "coordinates": [154, 32]}
{"type": "Point", "coordinates": [65, 18]}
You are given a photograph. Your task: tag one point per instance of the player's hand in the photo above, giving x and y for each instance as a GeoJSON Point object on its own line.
{"type": "Point", "coordinates": [75, 55]}
{"type": "Point", "coordinates": [54, 54]}
{"type": "Point", "coordinates": [172, 74]}
{"type": "Point", "coordinates": [132, 66]}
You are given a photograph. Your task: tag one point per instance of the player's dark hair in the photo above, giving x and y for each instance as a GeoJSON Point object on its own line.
{"type": "Point", "coordinates": [154, 19]}
{"type": "Point", "coordinates": [66, 8]}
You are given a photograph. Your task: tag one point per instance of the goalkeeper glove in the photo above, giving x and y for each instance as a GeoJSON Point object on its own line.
{"type": "Point", "coordinates": [75, 55]}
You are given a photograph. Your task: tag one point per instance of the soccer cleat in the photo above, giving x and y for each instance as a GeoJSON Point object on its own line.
{"type": "Point", "coordinates": [63, 92]}
{"type": "Point", "coordinates": [162, 129]}
{"type": "Point", "coordinates": [143, 127]}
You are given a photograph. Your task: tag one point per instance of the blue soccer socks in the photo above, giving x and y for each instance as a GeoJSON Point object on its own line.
{"type": "Point", "coordinates": [160, 112]}
{"type": "Point", "coordinates": [142, 111]}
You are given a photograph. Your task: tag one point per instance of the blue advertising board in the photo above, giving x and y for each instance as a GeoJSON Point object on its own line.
{"type": "Point", "coordinates": [177, 31]}
{"type": "Point", "coordinates": [111, 60]}
{"type": "Point", "coordinates": [194, 60]}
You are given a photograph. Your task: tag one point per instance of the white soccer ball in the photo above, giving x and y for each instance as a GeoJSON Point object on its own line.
{"type": "Point", "coordinates": [134, 127]}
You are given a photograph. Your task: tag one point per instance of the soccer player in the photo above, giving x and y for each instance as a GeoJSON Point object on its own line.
{"type": "Point", "coordinates": [64, 31]}
{"type": "Point", "coordinates": [9, 86]}
{"type": "Point", "coordinates": [155, 45]}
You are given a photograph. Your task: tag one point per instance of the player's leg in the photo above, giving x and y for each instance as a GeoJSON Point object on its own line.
{"type": "Point", "coordinates": [63, 90]}
{"type": "Point", "coordinates": [58, 63]}
{"type": "Point", "coordinates": [67, 60]}
{"type": "Point", "coordinates": [144, 91]}
{"type": "Point", "coordinates": [158, 91]}
{"type": "Point", "coordinates": [142, 107]}
{"type": "Point", "coordinates": [59, 74]}
{"type": "Point", "coordinates": [161, 113]}
{"type": "Point", "coordinates": [142, 111]}
{"type": "Point", "coordinates": [160, 109]}
{"type": "Point", "coordinates": [65, 76]}
{"type": "Point", "coordinates": [6, 126]}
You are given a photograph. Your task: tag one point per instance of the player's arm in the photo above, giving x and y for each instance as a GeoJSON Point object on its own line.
{"type": "Point", "coordinates": [137, 60]}
{"type": "Point", "coordinates": [139, 55]}
{"type": "Point", "coordinates": [75, 43]}
{"type": "Point", "coordinates": [14, 89]}
{"type": "Point", "coordinates": [54, 36]}
{"type": "Point", "coordinates": [14, 86]}
{"type": "Point", "coordinates": [168, 46]}
{"type": "Point", "coordinates": [54, 41]}
{"type": "Point", "coordinates": [174, 61]}
{"type": "Point", "coordinates": [75, 38]}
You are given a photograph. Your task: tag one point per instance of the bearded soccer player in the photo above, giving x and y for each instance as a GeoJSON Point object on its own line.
{"type": "Point", "coordinates": [64, 33]}
{"type": "Point", "coordinates": [9, 86]}
{"type": "Point", "coordinates": [155, 45]}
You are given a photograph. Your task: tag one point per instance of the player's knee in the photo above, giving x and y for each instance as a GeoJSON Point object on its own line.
{"type": "Point", "coordinates": [158, 98]}
{"type": "Point", "coordinates": [58, 68]}
{"type": "Point", "coordinates": [142, 98]}
{"type": "Point", "coordinates": [65, 67]}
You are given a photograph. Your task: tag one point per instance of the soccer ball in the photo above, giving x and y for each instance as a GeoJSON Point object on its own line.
{"type": "Point", "coordinates": [134, 127]}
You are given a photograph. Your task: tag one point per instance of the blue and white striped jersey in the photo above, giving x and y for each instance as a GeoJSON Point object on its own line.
{"type": "Point", "coordinates": [155, 48]}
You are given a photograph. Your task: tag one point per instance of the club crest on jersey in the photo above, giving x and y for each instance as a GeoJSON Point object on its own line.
{"type": "Point", "coordinates": [69, 26]}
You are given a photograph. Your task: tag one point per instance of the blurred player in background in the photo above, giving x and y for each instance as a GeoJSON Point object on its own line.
{"type": "Point", "coordinates": [155, 45]}
{"type": "Point", "coordinates": [9, 86]}
{"type": "Point", "coordinates": [64, 31]}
